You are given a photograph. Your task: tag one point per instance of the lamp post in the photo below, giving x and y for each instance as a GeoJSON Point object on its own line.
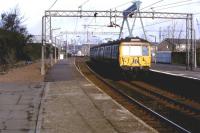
{"type": "Point", "coordinates": [58, 46]}
{"type": "Point", "coordinates": [51, 41]}
{"type": "Point", "coordinates": [66, 47]}
{"type": "Point", "coordinates": [42, 71]}
{"type": "Point", "coordinates": [76, 44]}
{"type": "Point", "coordinates": [55, 58]}
{"type": "Point", "coordinates": [66, 50]}
{"type": "Point", "coordinates": [155, 50]}
{"type": "Point", "coordinates": [154, 37]}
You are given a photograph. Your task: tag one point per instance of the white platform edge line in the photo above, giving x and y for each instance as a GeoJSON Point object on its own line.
{"type": "Point", "coordinates": [173, 74]}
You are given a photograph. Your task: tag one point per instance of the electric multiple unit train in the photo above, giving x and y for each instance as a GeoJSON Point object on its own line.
{"type": "Point", "coordinates": [129, 54]}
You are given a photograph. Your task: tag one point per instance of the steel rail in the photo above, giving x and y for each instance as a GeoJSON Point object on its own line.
{"type": "Point", "coordinates": [182, 129]}
{"type": "Point", "coordinates": [167, 98]}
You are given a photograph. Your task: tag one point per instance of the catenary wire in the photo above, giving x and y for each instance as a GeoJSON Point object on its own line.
{"type": "Point", "coordinates": [173, 3]}
{"type": "Point", "coordinates": [53, 4]}
{"type": "Point", "coordinates": [152, 4]}
{"type": "Point", "coordinates": [121, 5]}
{"type": "Point", "coordinates": [177, 6]}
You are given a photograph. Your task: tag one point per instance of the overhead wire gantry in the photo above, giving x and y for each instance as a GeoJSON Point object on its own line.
{"type": "Point", "coordinates": [188, 18]}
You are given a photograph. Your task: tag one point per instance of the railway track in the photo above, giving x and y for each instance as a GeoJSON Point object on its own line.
{"type": "Point", "coordinates": [176, 113]}
{"type": "Point", "coordinates": [178, 101]}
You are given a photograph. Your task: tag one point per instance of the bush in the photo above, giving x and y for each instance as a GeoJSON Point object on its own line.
{"type": "Point", "coordinates": [32, 51]}
{"type": "Point", "coordinates": [13, 38]}
{"type": "Point", "coordinates": [8, 54]}
{"type": "Point", "coordinates": [179, 58]}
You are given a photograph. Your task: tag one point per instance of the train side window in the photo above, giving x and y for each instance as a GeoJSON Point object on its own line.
{"type": "Point", "coordinates": [117, 50]}
{"type": "Point", "coordinates": [105, 52]}
{"type": "Point", "coordinates": [102, 52]}
{"type": "Point", "coordinates": [114, 52]}
{"type": "Point", "coordinates": [109, 51]}
{"type": "Point", "coordinates": [145, 51]}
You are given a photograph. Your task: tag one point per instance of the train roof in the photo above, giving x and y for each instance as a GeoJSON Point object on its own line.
{"type": "Point", "coordinates": [127, 39]}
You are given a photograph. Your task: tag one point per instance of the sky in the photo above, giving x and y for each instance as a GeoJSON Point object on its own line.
{"type": "Point", "coordinates": [33, 10]}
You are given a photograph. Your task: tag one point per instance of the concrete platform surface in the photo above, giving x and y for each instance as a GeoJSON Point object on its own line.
{"type": "Point", "coordinates": [78, 106]}
{"type": "Point", "coordinates": [19, 105]}
{"type": "Point", "coordinates": [176, 70]}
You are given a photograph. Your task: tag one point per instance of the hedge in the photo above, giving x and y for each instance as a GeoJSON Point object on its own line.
{"type": "Point", "coordinates": [180, 57]}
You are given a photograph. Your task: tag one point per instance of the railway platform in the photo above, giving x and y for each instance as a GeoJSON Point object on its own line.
{"type": "Point", "coordinates": [176, 70]}
{"type": "Point", "coordinates": [72, 104]}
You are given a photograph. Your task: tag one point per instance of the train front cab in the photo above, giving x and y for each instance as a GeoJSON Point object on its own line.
{"type": "Point", "coordinates": [134, 55]}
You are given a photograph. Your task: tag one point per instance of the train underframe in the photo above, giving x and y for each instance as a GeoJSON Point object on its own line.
{"type": "Point", "coordinates": [133, 73]}
{"type": "Point", "coordinates": [128, 72]}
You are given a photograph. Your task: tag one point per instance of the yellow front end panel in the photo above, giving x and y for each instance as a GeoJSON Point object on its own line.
{"type": "Point", "coordinates": [137, 61]}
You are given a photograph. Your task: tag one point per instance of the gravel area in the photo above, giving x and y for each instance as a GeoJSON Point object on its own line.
{"type": "Point", "coordinates": [29, 73]}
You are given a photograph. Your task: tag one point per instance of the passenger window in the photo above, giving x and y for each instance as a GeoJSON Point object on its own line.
{"type": "Point", "coordinates": [145, 51]}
